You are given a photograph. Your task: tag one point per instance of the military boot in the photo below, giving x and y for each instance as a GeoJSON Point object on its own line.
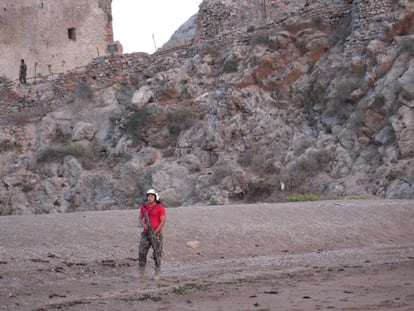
{"type": "Point", "coordinates": [141, 275]}
{"type": "Point", "coordinates": [157, 273]}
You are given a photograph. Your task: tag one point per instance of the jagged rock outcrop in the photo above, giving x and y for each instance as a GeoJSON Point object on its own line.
{"type": "Point", "coordinates": [184, 34]}
{"type": "Point", "coordinates": [287, 98]}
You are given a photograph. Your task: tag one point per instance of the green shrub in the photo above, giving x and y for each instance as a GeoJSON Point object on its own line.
{"type": "Point", "coordinates": [252, 159]}
{"type": "Point", "coordinates": [180, 119]}
{"type": "Point", "coordinates": [250, 29]}
{"type": "Point", "coordinates": [379, 100]}
{"type": "Point", "coordinates": [61, 137]}
{"type": "Point", "coordinates": [230, 65]}
{"type": "Point", "coordinates": [168, 151]}
{"type": "Point", "coordinates": [68, 304]}
{"type": "Point", "coordinates": [306, 166]}
{"type": "Point", "coordinates": [21, 118]}
{"type": "Point", "coordinates": [317, 20]}
{"type": "Point", "coordinates": [302, 197]}
{"type": "Point", "coordinates": [211, 50]}
{"type": "Point", "coordinates": [259, 37]}
{"type": "Point", "coordinates": [27, 187]}
{"type": "Point", "coordinates": [221, 172]}
{"type": "Point", "coordinates": [357, 197]}
{"type": "Point", "coordinates": [259, 192]}
{"type": "Point", "coordinates": [84, 154]}
{"type": "Point", "coordinates": [340, 31]}
{"type": "Point", "coordinates": [136, 123]}
{"type": "Point", "coordinates": [189, 288]}
{"type": "Point", "coordinates": [145, 297]}
{"type": "Point", "coordinates": [83, 91]}
{"type": "Point", "coordinates": [6, 145]}
{"type": "Point", "coordinates": [245, 159]}
{"type": "Point", "coordinates": [296, 174]}
{"type": "Point", "coordinates": [406, 47]}
{"type": "Point", "coordinates": [359, 114]}
{"type": "Point", "coordinates": [345, 88]}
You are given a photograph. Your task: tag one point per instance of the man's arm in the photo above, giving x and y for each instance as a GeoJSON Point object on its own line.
{"type": "Point", "coordinates": [142, 219]}
{"type": "Point", "coordinates": [163, 219]}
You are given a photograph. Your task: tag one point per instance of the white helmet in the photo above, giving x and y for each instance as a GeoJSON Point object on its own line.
{"type": "Point", "coordinates": [152, 191]}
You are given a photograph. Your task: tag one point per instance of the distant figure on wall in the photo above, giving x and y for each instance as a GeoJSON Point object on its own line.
{"type": "Point", "coordinates": [22, 72]}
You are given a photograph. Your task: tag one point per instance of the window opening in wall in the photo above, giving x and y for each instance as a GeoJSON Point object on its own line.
{"type": "Point", "coordinates": [72, 33]}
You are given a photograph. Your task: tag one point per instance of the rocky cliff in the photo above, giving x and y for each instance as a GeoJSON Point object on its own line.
{"type": "Point", "coordinates": [267, 100]}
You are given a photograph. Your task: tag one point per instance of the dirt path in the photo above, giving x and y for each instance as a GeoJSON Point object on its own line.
{"type": "Point", "coordinates": [339, 255]}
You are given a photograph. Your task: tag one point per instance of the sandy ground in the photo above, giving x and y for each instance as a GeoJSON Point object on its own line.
{"type": "Point", "coordinates": [328, 255]}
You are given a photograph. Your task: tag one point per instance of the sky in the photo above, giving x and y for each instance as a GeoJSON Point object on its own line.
{"type": "Point", "coordinates": [138, 24]}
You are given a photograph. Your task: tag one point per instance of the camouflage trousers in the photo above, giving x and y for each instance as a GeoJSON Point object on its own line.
{"type": "Point", "coordinates": [144, 246]}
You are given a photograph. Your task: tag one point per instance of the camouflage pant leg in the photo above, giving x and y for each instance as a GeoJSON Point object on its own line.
{"type": "Point", "coordinates": [159, 241]}
{"type": "Point", "coordinates": [144, 246]}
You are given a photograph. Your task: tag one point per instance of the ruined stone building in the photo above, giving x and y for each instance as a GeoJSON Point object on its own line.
{"type": "Point", "coordinates": [53, 36]}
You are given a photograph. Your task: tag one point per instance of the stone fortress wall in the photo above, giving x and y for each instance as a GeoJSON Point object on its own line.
{"type": "Point", "coordinates": [217, 18]}
{"type": "Point", "coordinates": [223, 23]}
{"type": "Point", "coordinates": [52, 36]}
{"type": "Point", "coordinates": [220, 22]}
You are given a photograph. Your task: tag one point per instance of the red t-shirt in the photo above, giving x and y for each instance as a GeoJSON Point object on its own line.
{"type": "Point", "coordinates": [154, 214]}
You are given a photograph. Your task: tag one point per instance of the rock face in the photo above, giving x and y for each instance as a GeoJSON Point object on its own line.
{"type": "Point", "coordinates": [275, 100]}
{"type": "Point", "coordinates": [184, 34]}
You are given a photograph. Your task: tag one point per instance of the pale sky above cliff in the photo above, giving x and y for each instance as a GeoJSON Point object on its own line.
{"type": "Point", "coordinates": [135, 22]}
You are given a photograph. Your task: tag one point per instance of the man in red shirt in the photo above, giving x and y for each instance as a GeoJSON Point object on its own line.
{"type": "Point", "coordinates": [157, 217]}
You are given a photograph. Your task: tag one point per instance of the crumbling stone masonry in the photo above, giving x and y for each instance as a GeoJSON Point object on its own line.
{"type": "Point", "coordinates": [52, 36]}
{"type": "Point", "coordinates": [226, 22]}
